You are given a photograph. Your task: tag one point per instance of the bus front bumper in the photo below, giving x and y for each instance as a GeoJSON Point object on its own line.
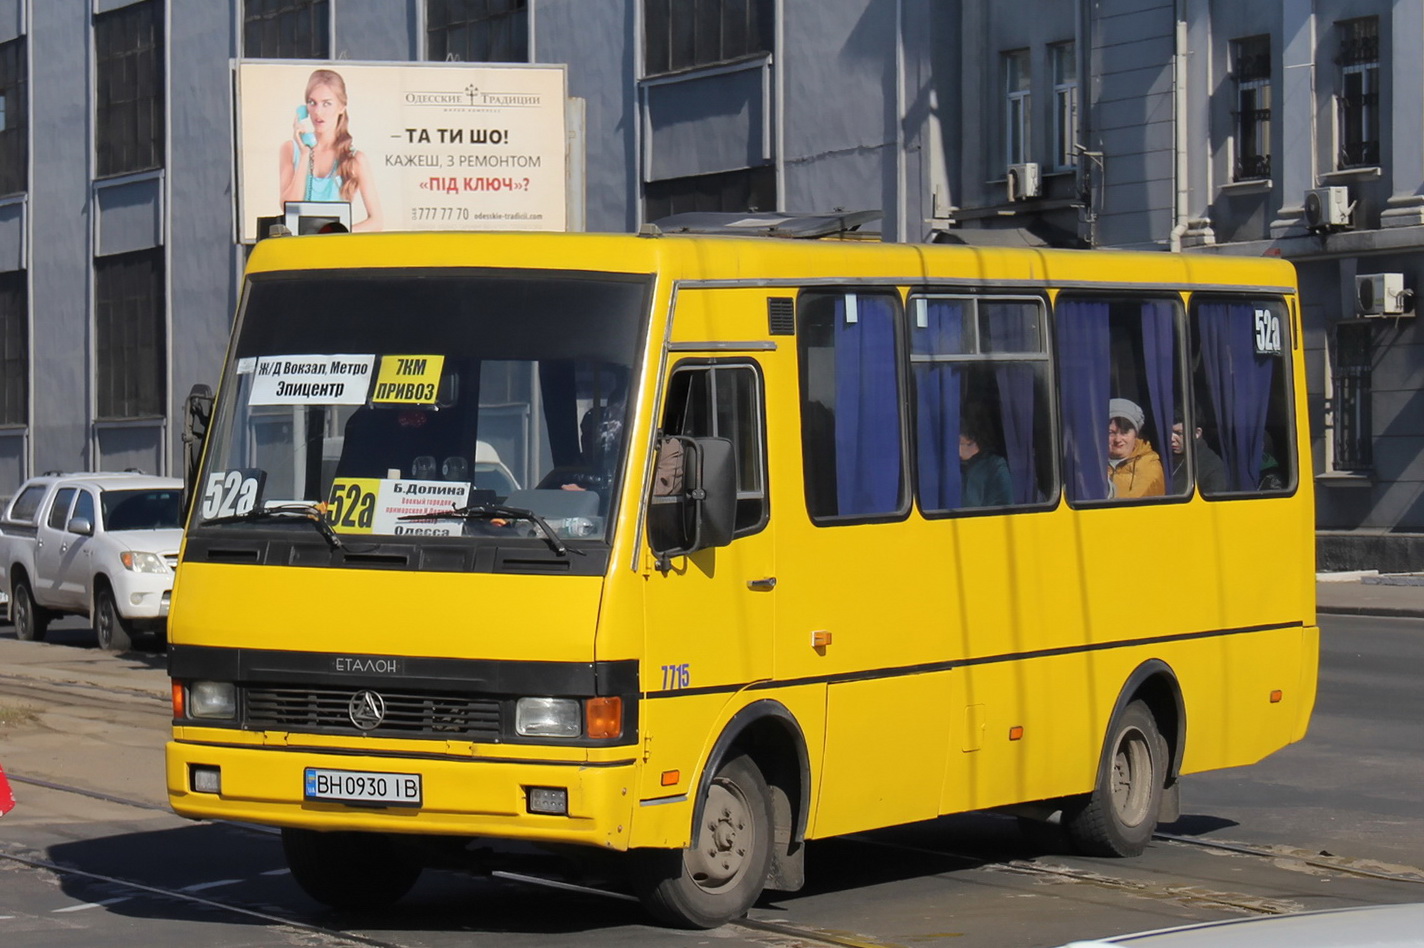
{"type": "Point", "coordinates": [474, 797]}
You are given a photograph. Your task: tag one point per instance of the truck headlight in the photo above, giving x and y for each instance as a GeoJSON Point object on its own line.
{"type": "Point", "coordinates": [548, 717]}
{"type": "Point", "coordinates": [212, 699]}
{"type": "Point", "coordinates": [143, 562]}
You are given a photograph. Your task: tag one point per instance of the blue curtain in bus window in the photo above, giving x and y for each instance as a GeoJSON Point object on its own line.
{"type": "Point", "coordinates": [1159, 355]}
{"type": "Point", "coordinates": [868, 455]}
{"type": "Point", "coordinates": [1239, 385]}
{"type": "Point", "coordinates": [1015, 381]}
{"type": "Point", "coordinates": [1081, 332]}
{"type": "Point", "coordinates": [937, 395]}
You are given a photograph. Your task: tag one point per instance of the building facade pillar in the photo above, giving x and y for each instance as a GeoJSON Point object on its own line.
{"type": "Point", "coordinates": [1405, 146]}
{"type": "Point", "coordinates": [1297, 148]}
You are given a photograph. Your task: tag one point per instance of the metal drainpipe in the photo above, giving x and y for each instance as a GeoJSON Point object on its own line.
{"type": "Point", "coordinates": [902, 200]}
{"type": "Point", "coordinates": [1179, 132]}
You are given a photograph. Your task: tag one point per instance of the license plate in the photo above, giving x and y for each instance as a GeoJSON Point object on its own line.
{"type": "Point", "coordinates": [363, 786]}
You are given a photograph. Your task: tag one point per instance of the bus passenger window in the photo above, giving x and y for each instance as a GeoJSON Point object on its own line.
{"type": "Point", "coordinates": [1239, 350]}
{"type": "Point", "coordinates": [1121, 387]}
{"type": "Point", "coordinates": [982, 425]}
{"type": "Point", "coordinates": [851, 446]}
{"type": "Point", "coordinates": [724, 401]}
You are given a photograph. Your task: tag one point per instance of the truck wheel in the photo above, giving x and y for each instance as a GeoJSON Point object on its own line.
{"type": "Point", "coordinates": [1118, 817]}
{"type": "Point", "coordinates": [349, 871]}
{"type": "Point", "coordinates": [31, 622]}
{"type": "Point", "coordinates": [110, 628]}
{"type": "Point", "coordinates": [723, 872]}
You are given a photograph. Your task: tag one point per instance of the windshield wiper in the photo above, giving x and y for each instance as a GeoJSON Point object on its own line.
{"type": "Point", "coordinates": [499, 512]}
{"type": "Point", "coordinates": [306, 512]}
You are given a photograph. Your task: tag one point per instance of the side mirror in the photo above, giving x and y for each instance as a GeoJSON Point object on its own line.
{"type": "Point", "coordinates": [694, 502]}
{"type": "Point", "coordinates": [197, 414]}
{"type": "Point", "coordinates": [715, 491]}
{"type": "Point", "coordinates": [80, 525]}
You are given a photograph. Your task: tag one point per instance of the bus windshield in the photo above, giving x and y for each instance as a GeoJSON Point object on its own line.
{"type": "Point", "coordinates": [369, 398]}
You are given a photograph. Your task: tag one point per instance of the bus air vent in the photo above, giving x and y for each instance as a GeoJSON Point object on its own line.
{"type": "Point", "coordinates": [781, 315]}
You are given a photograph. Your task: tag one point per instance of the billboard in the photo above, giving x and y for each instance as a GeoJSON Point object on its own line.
{"type": "Point", "coordinates": [411, 146]}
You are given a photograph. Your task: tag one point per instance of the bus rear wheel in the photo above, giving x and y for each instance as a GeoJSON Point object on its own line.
{"type": "Point", "coordinates": [722, 873]}
{"type": "Point", "coordinates": [1118, 817]}
{"type": "Point", "coordinates": [349, 871]}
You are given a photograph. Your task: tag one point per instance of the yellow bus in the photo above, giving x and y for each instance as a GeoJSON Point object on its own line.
{"type": "Point", "coordinates": [694, 548]}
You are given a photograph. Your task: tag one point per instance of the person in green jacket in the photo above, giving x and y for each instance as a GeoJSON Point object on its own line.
{"type": "Point", "coordinates": [986, 479]}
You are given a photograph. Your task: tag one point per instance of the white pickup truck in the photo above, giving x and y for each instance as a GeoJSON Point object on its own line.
{"type": "Point", "coordinates": [98, 545]}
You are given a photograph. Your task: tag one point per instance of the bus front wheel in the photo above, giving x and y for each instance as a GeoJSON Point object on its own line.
{"type": "Point", "coordinates": [1118, 817]}
{"type": "Point", "coordinates": [722, 873]}
{"type": "Point", "coordinates": [349, 871]}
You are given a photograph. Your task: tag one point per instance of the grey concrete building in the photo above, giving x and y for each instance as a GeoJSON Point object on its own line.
{"type": "Point", "coordinates": [1290, 127]}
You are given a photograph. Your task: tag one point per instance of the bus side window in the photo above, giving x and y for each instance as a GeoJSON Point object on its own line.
{"type": "Point", "coordinates": [851, 442]}
{"type": "Point", "coordinates": [1239, 349]}
{"type": "Point", "coordinates": [983, 427]}
{"type": "Point", "coordinates": [1121, 387]}
{"type": "Point", "coordinates": [725, 401]}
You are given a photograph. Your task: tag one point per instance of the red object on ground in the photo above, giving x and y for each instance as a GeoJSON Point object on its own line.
{"type": "Point", "coordinates": [7, 799]}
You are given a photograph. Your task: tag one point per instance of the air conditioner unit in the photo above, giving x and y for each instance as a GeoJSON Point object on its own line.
{"type": "Point", "coordinates": [1024, 181]}
{"type": "Point", "coordinates": [1328, 209]}
{"type": "Point", "coordinates": [1380, 294]}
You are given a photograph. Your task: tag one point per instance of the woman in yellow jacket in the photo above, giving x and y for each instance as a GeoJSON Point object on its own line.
{"type": "Point", "coordinates": [1134, 469]}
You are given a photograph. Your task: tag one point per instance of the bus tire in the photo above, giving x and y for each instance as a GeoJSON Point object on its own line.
{"type": "Point", "coordinates": [1119, 816]}
{"type": "Point", "coordinates": [349, 871]}
{"type": "Point", "coordinates": [722, 873]}
{"type": "Point", "coordinates": [31, 620]}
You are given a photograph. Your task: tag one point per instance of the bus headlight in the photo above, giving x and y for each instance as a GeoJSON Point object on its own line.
{"type": "Point", "coordinates": [212, 699]}
{"type": "Point", "coordinates": [548, 717]}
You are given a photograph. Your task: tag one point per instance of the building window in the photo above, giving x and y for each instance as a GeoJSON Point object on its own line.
{"type": "Point", "coordinates": [286, 29]}
{"type": "Point", "coordinates": [1359, 93]}
{"type": "Point", "coordinates": [686, 34]}
{"type": "Point", "coordinates": [1017, 142]}
{"type": "Point", "coordinates": [14, 147]}
{"type": "Point", "coordinates": [1252, 72]}
{"type": "Point", "coordinates": [1350, 404]}
{"type": "Point", "coordinates": [750, 189]}
{"type": "Point", "coordinates": [477, 31]}
{"type": "Point", "coordinates": [128, 110]}
{"type": "Point", "coordinates": [14, 350]}
{"type": "Point", "coordinates": [1065, 104]}
{"type": "Point", "coordinates": [130, 337]}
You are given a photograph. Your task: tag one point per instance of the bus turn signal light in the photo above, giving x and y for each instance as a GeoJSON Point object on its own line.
{"type": "Point", "coordinates": [672, 778]}
{"type": "Point", "coordinates": [1276, 696]}
{"type": "Point", "coordinates": [1016, 733]}
{"type": "Point", "coordinates": [603, 718]}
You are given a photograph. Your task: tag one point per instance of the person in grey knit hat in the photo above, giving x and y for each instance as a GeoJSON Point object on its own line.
{"type": "Point", "coordinates": [1134, 469]}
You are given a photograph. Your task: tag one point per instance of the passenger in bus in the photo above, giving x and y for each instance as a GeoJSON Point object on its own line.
{"type": "Point", "coordinates": [1273, 475]}
{"type": "Point", "coordinates": [1134, 469]}
{"type": "Point", "coordinates": [1211, 472]}
{"type": "Point", "coordinates": [986, 481]}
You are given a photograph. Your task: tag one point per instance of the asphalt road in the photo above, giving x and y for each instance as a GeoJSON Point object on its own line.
{"type": "Point", "coordinates": [91, 856]}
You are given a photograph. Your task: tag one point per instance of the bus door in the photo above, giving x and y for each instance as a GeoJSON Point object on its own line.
{"type": "Point", "coordinates": [708, 614]}
{"type": "Point", "coordinates": [853, 582]}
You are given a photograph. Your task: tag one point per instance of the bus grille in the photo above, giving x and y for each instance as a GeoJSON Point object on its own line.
{"type": "Point", "coordinates": [407, 715]}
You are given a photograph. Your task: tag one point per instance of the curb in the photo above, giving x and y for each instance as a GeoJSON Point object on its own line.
{"type": "Point", "coordinates": [1388, 612]}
